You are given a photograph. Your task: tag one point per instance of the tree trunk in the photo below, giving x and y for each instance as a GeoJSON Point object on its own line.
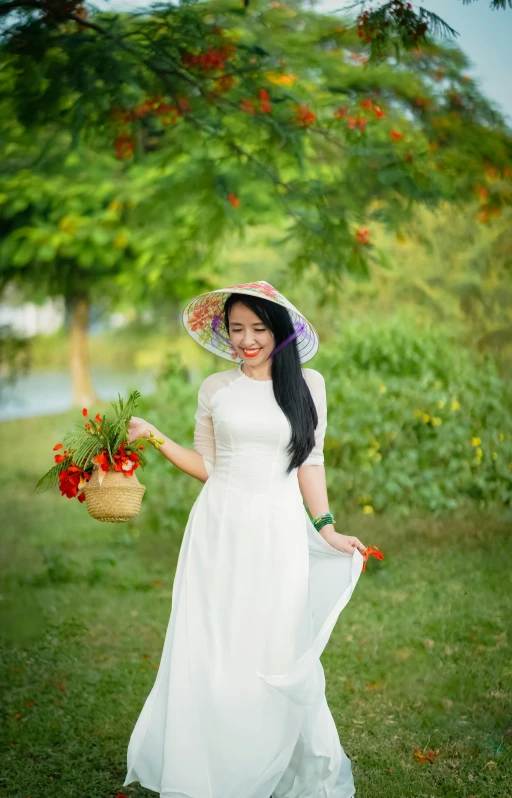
{"type": "Point", "coordinates": [84, 394]}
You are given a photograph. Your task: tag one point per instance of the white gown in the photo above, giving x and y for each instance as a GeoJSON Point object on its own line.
{"type": "Point", "coordinates": [238, 707]}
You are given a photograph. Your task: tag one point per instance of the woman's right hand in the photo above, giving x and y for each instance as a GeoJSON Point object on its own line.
{"type": "Point", "coordinates": [139, 428]}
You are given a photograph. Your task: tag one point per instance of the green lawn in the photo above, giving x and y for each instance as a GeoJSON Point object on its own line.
{"type": "Point", "coordinates": [420, 659]}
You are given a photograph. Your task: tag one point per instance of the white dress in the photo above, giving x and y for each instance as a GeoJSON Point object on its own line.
{"type": "Point", "coordinates": [238, 707]}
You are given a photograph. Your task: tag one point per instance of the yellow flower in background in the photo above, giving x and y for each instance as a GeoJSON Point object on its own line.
{"type": "Point", "coordinates": [441, 403]}
{"type": "Point", "coordinates": [120, 241]}
{"type": "Point", "coordinates": [378, 456]}
{"type": "Point", "coordinates": [475, 441]}
{"type": "Point", "coordinates": [115, 205]}
{"type": "Point", "coordinates": [436, 421]}
{"type": "Point", "coordinates": [501, 436]}
{"type": "Point", "coordinates": [367, 509]}
{"type": "Point", "coordinates": [280, 80]}
{"type": "Point", "coordinates": [426, 418]}
{"type": "Point", "coordinates": [479, 452]}
{"type": "Point", "coordinates": [418, 414]}
{"type": "Point", "coordinates": [68, 224]}
{"type": "Point", "coordinates": [455, 405]}
{"type": "Point", "coordinates": [494, 456]}
{"type": "Point", "coordinates": [382, 389]}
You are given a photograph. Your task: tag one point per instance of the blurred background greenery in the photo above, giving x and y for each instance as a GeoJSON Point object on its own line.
{"type": "Point", "coordinates": [371, 184]}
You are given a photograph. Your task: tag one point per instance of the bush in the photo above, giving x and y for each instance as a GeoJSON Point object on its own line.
{"type": "Point", "coordinates": [414, 420]}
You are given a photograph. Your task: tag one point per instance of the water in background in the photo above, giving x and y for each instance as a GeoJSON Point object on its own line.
{"type": "Point", "coordinates": [43, 393]}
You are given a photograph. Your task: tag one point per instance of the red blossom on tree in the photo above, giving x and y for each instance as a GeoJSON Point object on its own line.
{"type": "Point", "coordinates": [125, 145]}
{"type": "Point", "coordinates": [357, 123]}
{"type": "Point", "coordinates": [224, 84]}
{"type": "Point", "coordinates": [265, 104]}
{"type": "Point", "coordinates": [396, 136]}
{"type": "Point", "coordinates": [363, 235]}
{"type": "Point", "coordinates": [233, 200]}
{"type": "Point", "coordinates": [213, 60]}
{"type": "Point", "coordinates": [305, 117]}
{"type": "Point", "coordinates": [247, 105]}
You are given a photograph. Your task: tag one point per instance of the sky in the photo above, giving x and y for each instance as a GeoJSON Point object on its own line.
{"type": "Point", "coordinates": [485, 37]}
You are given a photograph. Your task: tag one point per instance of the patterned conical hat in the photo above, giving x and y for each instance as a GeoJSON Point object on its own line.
{"type": "Point", "coordinates": [203, 320]}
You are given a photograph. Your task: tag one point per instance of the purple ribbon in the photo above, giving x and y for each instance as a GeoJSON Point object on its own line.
{"type": "Point", "coordinates": [215, 323]}
{"type": "Point", "coordinates": [300, 327]}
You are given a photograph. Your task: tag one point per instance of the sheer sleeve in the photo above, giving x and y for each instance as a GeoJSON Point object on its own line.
{"type": "Point", "coordinates": [316, 384]}
{"type": "Point", "coordinates": [204, 435]}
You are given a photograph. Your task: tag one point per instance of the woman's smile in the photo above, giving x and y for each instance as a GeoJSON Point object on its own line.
{"type": "Point", "coordinates": [251, 352]}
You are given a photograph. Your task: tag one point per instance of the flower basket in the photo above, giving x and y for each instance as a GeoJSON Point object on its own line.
{"type": "Point", "coordinates": [97, 464]}
{"type": "Point", "coordinates": [116, 498]}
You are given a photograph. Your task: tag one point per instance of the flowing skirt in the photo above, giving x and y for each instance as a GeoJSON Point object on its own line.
{"type": "Point", "coordinates": [238, 707]}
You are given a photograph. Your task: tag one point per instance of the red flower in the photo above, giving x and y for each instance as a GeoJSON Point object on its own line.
{"type": "Point", "coordinates": [58, 446]}
{"type": "Point", "coordinates": [378, 112]}
{"type": "Point", "coordinates": [233, 199]}
{"type": "Point", "coordinates": [305, 117]}
{"type": "Point", "coordinates": [125, 145]}
{"type": "Point", "coordinates": [59, 458]}
{"type": "Point", "coordinates": [126, 462]}
{"type": "Point", "coordinates": [247, 105]}
{"type": "Point", "coordinates": [71, 480]}
{"type": "Point", "coordinates": [213, 60]}
{"type": "Point", "coordinates": [265, 104]}
{"type": "Point", "coordinates": [371, 551]}
{"type": "Point", "coordinates": [98, 418]}
{"type": "Point", "coordinates": [224, 84]}
{"type": "Point", "coordinates": [84, 412]}
{"type": "Point", "coordinates": [357, 123]}
{"type": "Point", "coordinates": [396, 136]}
{"type": "Point", "coordinates": [366, 103]}
{"type": "Point", "coordinates": [102, 460]}
{"type": "Point", "coordinates": [340, 113]}
{"type": "Point", "coordinates": [363, 235]}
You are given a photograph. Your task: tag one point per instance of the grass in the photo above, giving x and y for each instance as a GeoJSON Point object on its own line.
{"type": "Point", "coordinates": [420, 658]}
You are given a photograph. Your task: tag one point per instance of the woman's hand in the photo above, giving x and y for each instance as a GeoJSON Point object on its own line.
{"type": "Point", "coordinates": [345, 543]}
{"type": "Point", "coordinates": [139, 428]}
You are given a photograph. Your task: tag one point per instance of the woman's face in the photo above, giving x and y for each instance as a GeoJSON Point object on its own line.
{"type": "Point", "coordinates": [249, 335]}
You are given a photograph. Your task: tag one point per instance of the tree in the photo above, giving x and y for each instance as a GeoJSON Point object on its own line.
{"type": "Point", "coordinates": [221, 116]}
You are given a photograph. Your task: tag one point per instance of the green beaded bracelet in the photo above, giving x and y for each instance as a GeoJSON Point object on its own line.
{"type": "Point", "coordinates": [322, 520]}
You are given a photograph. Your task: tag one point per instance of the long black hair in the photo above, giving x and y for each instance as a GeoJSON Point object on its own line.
{"type": "Point", "coordinates": [291, 390]}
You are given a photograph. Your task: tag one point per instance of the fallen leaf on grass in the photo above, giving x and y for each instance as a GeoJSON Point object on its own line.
{"type": "Point", "coordinates": [424, 756]}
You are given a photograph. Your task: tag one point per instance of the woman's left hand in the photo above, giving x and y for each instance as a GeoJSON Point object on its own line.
{"type": "Point", "coordinates": [345, 543]}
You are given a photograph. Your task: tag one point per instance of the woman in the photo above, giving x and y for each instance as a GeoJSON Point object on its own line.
{"type": "Point", "coordinates": [238, 708]}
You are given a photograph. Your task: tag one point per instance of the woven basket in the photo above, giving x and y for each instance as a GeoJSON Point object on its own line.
{"type": "Point", "coordinates": [118, 499]}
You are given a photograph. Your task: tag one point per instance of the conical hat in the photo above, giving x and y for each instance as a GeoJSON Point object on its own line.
{"type": "Point", "coordinates": [203, 320]}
